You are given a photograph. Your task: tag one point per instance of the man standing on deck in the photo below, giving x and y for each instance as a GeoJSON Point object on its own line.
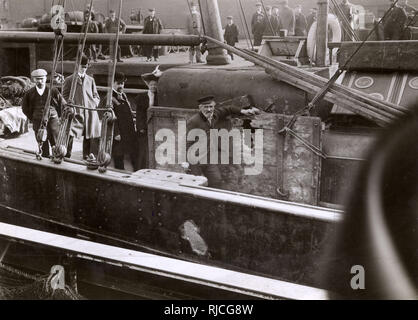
{"type": "Point", "coordinates": [276, 20]}
{"type": "Point", "coordinates": [231, 34]}
{"type": "Point", "coordinates": [269, 22]}
{"type": "Point", "coordinates": [347, 10]}
{"type": "Point", "coordinates": [287, 17]}
{"type": "Point", "coordinates": [194, 25]}
{"type": "Point", "coordinates": [111, 26]}
{"type": "Point", "coordinates": [85, 123]}
{"type": "Point", "coordinates": [92, 27]}
{"type": "Point", "coordinates": [300, 22]}
{"type": "Point", "coordinates": [211, 117]}
{"type": "Point", "coordinates": [152, 25]}
{"type": "Point", "coordinates": [33, 105]}
{"type": "Point", "coordinates": [258, 25]}
{"type": "Point", "coordinates": [124, 136]}
{"type": "Point", "coordinates": [394, 24]}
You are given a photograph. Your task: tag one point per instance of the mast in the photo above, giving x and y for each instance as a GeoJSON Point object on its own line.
{"type": "Point", "coordinates": [213, 28]}
{"type": "Point", "coordinates": [322, 33]}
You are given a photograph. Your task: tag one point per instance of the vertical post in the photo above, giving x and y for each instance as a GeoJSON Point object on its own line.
{"type": "Point", "coordinates": [213, 28]}
{"type": "Point", "coordinates": [322, 33]}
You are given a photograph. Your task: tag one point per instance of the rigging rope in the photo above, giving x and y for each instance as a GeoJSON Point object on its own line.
{"type": "Point", "coordinates": [321, 93]}
{"type": "Point", "coordinates": [246, 24]}
{"type": "Point", "coordinates": [268, 20]}
{"type": "Point", "coordinates": [60, 149]}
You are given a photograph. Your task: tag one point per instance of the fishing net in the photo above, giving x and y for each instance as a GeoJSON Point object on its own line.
{"type": "Point", "coordinates": [18, 285]}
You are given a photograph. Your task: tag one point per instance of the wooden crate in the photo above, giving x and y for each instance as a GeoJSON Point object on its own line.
{"type": "Point", "coordinates": [291, 171]}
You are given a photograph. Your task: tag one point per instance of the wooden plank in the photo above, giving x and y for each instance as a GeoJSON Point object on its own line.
{"type": "Point", "coordinates": [167, 267]}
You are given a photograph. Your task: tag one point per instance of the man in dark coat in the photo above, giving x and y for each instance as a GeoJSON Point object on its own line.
{"type": "Point", "coordinates": [209, 118]}
{"type": "Point", "coordinates": [300, 22]}
{"type": "Point", "coordinates": [270, 23]}
{"type": "Point", "coordinates": [91, 50]}
{"type": "Point", "coordinates": [231, 34]}
{"type": "Point", "coordinates": [33, 105]}
{"type": "Point", "coordinates": [287, 17]}
{"type": "Point", "coordinates": [143, 102]}
{"type": "Point", "coordinates": [152, 25]}
{"type": "Point", "coordinates": [258, 25]}
{"type": "Point", "coordinates": [111, 26]}
{"type": "Point", "coordinates": [124, 134]}
{"type": "Point", "coordinates": [394, 24]}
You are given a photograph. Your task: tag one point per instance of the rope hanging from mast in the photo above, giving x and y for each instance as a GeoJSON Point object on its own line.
{"type": "Point", "coordinates": [244, 24]}
{"type": "Point", "coordinates": [59, 27]}
{"type": "Point", "coordinates": [106, 137]}
{"type": "Point", "coordinates": [60, 149]}
{"type": "Point", "coordinates": [321, 93]}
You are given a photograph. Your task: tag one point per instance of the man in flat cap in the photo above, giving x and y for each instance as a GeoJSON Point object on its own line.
{"type": "Point", "coordinates": [143, 102]}
{"type": "Point", "coordinates": [211, 117]}
{"type": "Point", "coordinates": [33, 105]}
{"type": "Point", "coordinates": [111, 26]}
{"type": "Point", "coordinates": [86, 123]}
{"type": "Point", "coordinates": [92, 27]}
{"type": "Point", "coordinates": [152, 25]}
{"type": "Point", "coordinates": [258, 25]}
{"type": "Point", "coordinates": [231, 34]}
{"type": "Point", "coordinates": [124, 134]}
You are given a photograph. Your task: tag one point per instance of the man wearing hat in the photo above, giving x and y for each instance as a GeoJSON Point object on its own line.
{"type": "Point", "coordinates": [152, 25]}
{"type": "Point", "coordinates": [111, 26]}
{"type": "Point", "coordinates": [211, 117]}
{"type": "Point", "coordinates": [33, 105]}
{"type": "Point", "coordinates": [258, 25]}
{"type": "Point", "coordinates": [231, 34]}
{"type": "Point", "coordinates": [270, 22]}
{"type": "Point", "coordinates": [143, 102]}
{"type": "Point", "coordinates": [124, 134]}
{"type": "Point", "coordinates": [85, 123]}
{"type": "Point", "coordinates": [287, 17]}
{"type": "Point", "coordinates": [300, 22]}
{"type": "Point", "coordinates": [92, 27]}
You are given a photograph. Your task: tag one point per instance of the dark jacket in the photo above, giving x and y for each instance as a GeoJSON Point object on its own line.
{"type": "Point", "coordinates": [231, 34]}
{"type": "Point", "coordinates": [93, 27]}
{"type": "Point", "coordinates": [33, 104]}
{"type": "Point", "coordinates": [300, 24]}
{"type": "Point", "coordinates": [112, 26]}
{"type": "Point", "coordinates": [199, 121]}
{"type": "Point", "coordinates": [124, 124]}
{"type": "Point", "coordinates": [152, 25]}
{"type": "Point", "coordinates": [258, 23]}
{"type": "Point", "coordinates": [272, 25]}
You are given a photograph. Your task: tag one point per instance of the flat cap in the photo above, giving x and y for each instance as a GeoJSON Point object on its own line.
{"type": "Point", "coordinates": [258, 4]}
{"type": "Point", "coordinates": [39, 73]}
{"type": "Point", "coordinates": [206, 99]}
{"type": "Point", "coordinates": [151, 9]}
{"type": "Point", "coordinates": [229, 17]}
